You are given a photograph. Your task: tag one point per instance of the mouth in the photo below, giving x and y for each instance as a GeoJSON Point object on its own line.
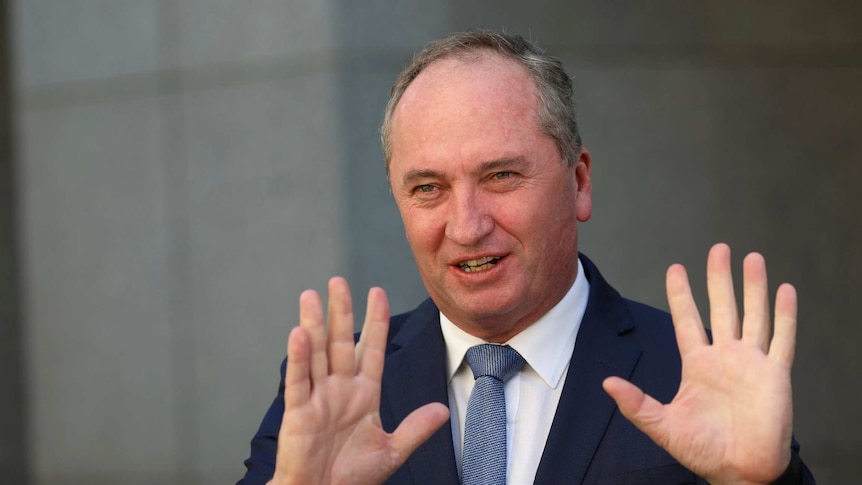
{"type": "Point", "coordinates": [481, 264]}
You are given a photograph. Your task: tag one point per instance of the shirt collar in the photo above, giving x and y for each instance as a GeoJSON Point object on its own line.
{"type": "Point", "coordinates": [546, 345]}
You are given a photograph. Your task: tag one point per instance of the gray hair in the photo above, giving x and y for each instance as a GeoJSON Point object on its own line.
{"type": "Point", "coordinates": [556, 116]}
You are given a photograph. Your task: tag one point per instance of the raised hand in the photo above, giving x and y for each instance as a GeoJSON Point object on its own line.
{"type": "Point", "coordinates": [731, 420]}
{"type": "Point", "coordinates": [331, 431]}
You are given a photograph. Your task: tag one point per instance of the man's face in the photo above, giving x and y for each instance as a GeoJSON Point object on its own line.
{"type": "Point", "coordinates": [489, 207]}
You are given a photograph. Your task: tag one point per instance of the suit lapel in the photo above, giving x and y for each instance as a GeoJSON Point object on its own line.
{"type": "Point", "coordinates": [415, 375]}
{"type": "Point", "coordinates": [584, 411]}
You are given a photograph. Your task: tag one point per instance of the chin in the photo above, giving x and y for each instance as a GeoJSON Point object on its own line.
{"type": "Point", "coordinates": [488, 315]}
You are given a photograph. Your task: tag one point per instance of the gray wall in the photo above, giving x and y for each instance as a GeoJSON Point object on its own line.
{"type": "Point", "coordinates": [12, 405]}
{"type": "Point", "coordinates": [185, 169]}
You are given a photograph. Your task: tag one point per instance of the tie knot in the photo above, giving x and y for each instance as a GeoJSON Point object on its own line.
{"type": "Point", "coordinates": [498, 361]}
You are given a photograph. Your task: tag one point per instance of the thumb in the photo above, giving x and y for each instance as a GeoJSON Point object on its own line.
{"type": "Point", "coordinates": [416, 428]}
{"type": "Point", "coordinates": [643, 411]}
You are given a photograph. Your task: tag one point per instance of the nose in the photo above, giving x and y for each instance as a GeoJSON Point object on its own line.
{"type": "Point", "coordinates": [469, 219]}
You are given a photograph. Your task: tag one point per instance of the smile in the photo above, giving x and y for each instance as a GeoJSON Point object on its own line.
{"type": "Point", "coordinates": [481, 264]}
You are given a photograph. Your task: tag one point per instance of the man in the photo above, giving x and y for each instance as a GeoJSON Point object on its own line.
{"type": "Point", "coordinates": [487, 170]}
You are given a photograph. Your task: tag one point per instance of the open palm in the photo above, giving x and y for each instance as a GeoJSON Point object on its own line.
{"type": "Point", "coordinates": [331, 431]}
{"type": "Point", "coordinates": [731, 421]}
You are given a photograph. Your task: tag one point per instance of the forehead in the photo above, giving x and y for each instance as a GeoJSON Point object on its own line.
{"type": "Point", "coordinates": [487, 80]}
{"type": "Point", "coordinates": [464, 104]}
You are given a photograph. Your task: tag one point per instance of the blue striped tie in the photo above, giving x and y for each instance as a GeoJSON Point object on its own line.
{"type": "Point", "coordinates": [484, 457]}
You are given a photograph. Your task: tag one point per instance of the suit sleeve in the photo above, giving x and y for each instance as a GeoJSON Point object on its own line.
{"type": "Point", "coordinates": [260, 465]}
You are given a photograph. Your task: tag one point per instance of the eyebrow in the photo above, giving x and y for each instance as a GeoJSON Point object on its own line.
{"type": "Point", "coordinates": [516, 162]}
{"type": "Point", "coordinates": [415, 175]}
{"type": "Point", "coordinates": [507, 163]}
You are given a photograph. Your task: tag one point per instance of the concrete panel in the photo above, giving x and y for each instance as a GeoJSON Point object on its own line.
{"type": "Point", "coordinates": [13, 450]}
{"type": "Point", "coordinates": [98, 333]}
{"type": "Point", "coordinates": [788, 25]}
{"type": "Point", "coordinates": [596, 22]}
{"type": "Point", "coordinates": [265, 188]}
{"type": "Point", "coordinates": [675, 24]}
{"type": "Point", "coordinates": [59, 41]}
{"type": "Point", "coordinates": [223, 31]}
{"type": "Point", "coordinates": [369, 31]}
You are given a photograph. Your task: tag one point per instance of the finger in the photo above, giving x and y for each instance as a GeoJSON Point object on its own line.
{"type": "Point", "coordinates": [416, 428]}
{"type": "Point", "coordinates": [724, 316]}
{"type": "Point", "coordinates": [340, 311]}
{"type": "Point", "coordinates": [756, 323]}
{"type": "Point", "coordinates": [372, 343]}
{"type": "Point", "coordinates": [297, 382]}
{"type": "Point", "coordinates": [642, 410]}
{"type": "Point", "coordinates": [311, 320]}
{"type": "Point", "coordinates": [686, 319]}
{"type": "Point", "coordinates": [783, 344]}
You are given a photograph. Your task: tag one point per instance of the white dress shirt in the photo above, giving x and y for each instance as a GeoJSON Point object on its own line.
{"type": "Point", "coordinates": [532, 395]}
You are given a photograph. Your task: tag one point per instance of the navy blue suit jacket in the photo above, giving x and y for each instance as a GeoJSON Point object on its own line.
{"type": "Point", "coordinates": [589, 442]}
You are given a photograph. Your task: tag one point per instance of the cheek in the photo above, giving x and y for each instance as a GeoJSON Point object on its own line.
{"type": "Point", "coordinates": [529, 218]}
{"type": "Point", "coordinates": [555, 227]}
{"type": "Point", "coordinates": [419, 227]}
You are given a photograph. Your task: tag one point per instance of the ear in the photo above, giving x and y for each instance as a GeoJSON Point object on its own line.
{"type": "Point", "coordinates": [584, 187]}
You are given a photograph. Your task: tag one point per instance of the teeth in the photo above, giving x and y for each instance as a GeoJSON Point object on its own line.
{"type": "Point", "coordinates": [480, 264]}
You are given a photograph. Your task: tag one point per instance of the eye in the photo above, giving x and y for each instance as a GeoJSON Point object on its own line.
{"type": "Point", "coordinates": [425, 191]}
{"type": "Point", "coordinates": [503, 181]}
